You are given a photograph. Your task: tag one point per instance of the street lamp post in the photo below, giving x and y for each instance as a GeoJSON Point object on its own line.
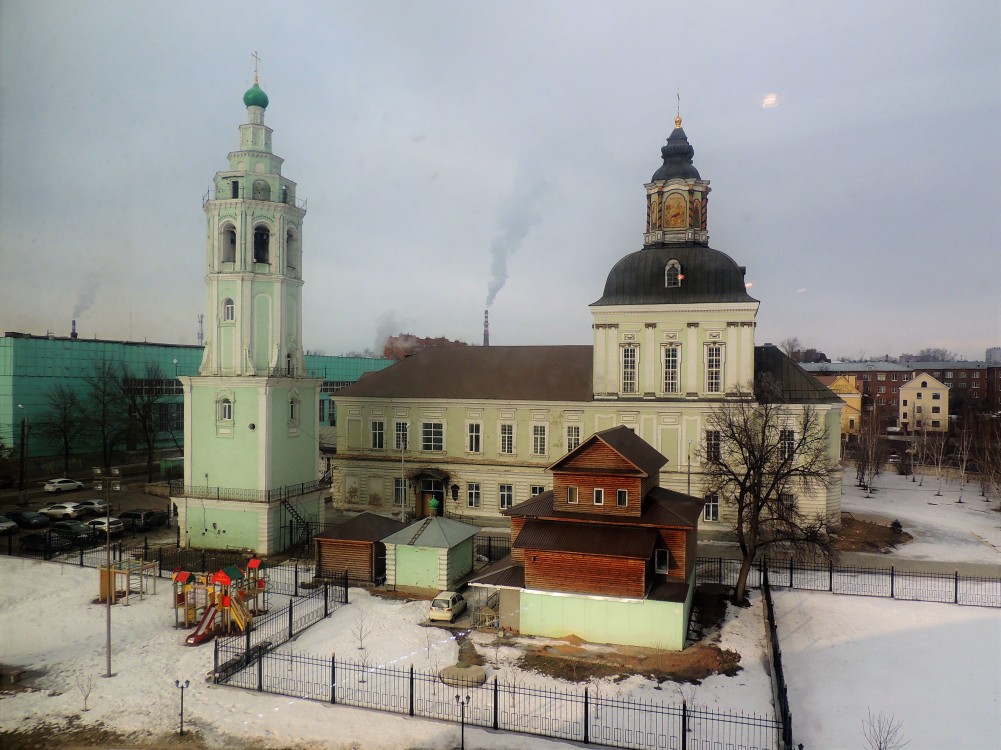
{"type": "Point", "coordinates": [689, 466]}
{"type": "Point", "coordinates": [462, 719]}
{"type": "Point", "coordinates": [182, 686]}
{"type": "Point", "coordinates": [22, 498]}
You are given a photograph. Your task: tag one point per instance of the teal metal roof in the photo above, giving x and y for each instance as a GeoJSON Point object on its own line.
{"type": "Point", "coordinates": [442, 533]}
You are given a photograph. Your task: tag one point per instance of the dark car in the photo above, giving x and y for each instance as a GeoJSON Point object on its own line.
{"type": "Point", "coordinates": [75, 531]}
{"type": "Point", "coordinates": [7, 526]}
{"type": "Point", "coordinates": [39, 541]}
{"type": "Point", "coordinates": [6, 481]}
{"type": "Point", "coordinates": [143, 519]}
{"type": "Point", "coordinates": [27, 519]}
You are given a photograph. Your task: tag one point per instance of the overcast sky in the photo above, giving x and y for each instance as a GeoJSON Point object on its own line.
{"type": "Point", "coordinates": [442, 145]}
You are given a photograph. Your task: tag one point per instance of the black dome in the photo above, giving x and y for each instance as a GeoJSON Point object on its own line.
{"type": "Point", "coordinates": [709, 276]}
{"type": "Point", "coordinates": [677, 155]}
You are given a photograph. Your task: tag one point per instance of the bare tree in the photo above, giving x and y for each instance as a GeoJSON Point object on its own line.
{"type": "Point", "coordinates": [63, 422]}
{"type": "Point", "coordinates": [790, 346]}
{"type": "Point", "coordinates": [871, 453]}
{"type": "Point", "coordinates": [964, 445]}
{"type": "Point", "coordinates": [882, 732]}
{"type": "Point", "coordinates": [361, 629]}
{"type": "Point", "coordinates": [758, 454]}
{"type": "Point", "coordinates": [934, 446]}
{"type": "Point", "coordinates": [145, 395]}
{"type": "Point", "coordinates": [85, 685]}
{"type": "Point", "coordinates": [989, 460]}
{"type": "Point", "coordinates": [106, 410]}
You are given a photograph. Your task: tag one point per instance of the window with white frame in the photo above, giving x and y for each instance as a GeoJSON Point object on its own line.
{"type": "Point", "coordinates": [401, 434]}
{"type": "Point", "coordinates": [710, 511]}
{"type": "Point", "coordinates": [712, 445]}
{"type": "Point", "coordinates": [226, 410]}
{"type": "Point", "coordinates": [787, 444]}
{"type": "Point", "coordinates": [506, 438]}
{"type": "Point", "coordinates": [228, 310]}
{"type": "Point", "coordinates": [714, 368]}
{"type": "Point", "coordinates": [622, 498]}
{"type": "Point", "coordinates": [378, 434]}
{"type": "Point", "coordinates": [473, 494]}
{"type": "Point", "coordinates": [400, 491]}
{"type": "Point", "coordinates": [672, 274]}
{"type": "Point", "coordinates": [672, 369]}
{"type": "Point", "coordinates": [473, 437]}
{"type": "Point", "coordinates": [432, 436]}
{"type": "Point", "coordinates": [572, 495]}
{"type": "Point", "coordinates": [323, 410]}
{"type": "Point", "coordinates": [538, 439]}
{"type": "Point", "coordinates": [599, 496]}
{"type": "Point", "coordinates": [505, 494]}
{"type": "Point", "coordinates": [630, 359]}
{"type": "Point", "coordinates": [662, 560]}
{"type": "Point", "coordinates": [573, 437]}
{"type": "Point", "coordinates": [537, 489]}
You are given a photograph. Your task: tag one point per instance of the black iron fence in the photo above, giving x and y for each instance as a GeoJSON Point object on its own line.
{"type": "Point", "coordinates": [780, 692]}
{"type": "Point", "coordinates": [952, 588]}
{"type": "Point", "coordinates": [567, 714]}
{"type": "Point", "coordinates": [277, 494]}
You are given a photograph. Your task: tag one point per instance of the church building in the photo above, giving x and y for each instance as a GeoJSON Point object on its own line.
{"type": "Point", "coordinates": [251, 413]}
{"type": "Point", "coordinates": [476, 427]}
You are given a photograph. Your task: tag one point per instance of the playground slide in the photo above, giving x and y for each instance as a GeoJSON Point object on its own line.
{"type": "Point", "coordinates": [204, 630]}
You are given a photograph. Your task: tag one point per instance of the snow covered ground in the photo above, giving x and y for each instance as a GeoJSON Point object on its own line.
{"type": "Point", "coordinates": [935, 667]}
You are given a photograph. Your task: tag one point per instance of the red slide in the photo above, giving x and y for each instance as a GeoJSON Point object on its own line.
{"type": "Point", "coordinates": [204, 630]}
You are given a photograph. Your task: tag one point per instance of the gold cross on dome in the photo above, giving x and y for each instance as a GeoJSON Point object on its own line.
{"type": "Point", "coordinates": [257, 59]}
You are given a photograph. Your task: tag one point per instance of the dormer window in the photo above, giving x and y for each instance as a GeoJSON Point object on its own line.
{"type": "Point", "coordinates": [673, 274]}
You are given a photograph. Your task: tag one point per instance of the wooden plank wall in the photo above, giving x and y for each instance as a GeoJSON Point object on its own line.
{"type": "Point", "coordinates": [334, 556]}
{"type": "Point", "coordinates": [584, 574]}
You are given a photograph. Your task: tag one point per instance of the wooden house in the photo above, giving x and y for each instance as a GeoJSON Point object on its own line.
{"type": "Point", "coordinates": [606, 555]}
{"type": "Point", "coordinates": [356, 546]}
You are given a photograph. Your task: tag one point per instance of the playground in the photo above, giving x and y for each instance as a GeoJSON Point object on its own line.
{"type": "Point", "coordinates": [220, 603]}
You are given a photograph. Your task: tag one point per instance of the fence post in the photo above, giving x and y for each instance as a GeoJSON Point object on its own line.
{"type": "Point", "coordinates": [145, 548]}
{"type": "Point", "coordinates": [955, 599]}
{"type": "Point", "coordinates": [345, 585]}
{"type": "Point", "coordinates": [215, 662]}
{"type": "Point", "coordinates": [203, 568]}
{"type": "Point", "coordinates": [791, 569]}
{"type": "Point", "coordinates": [326, 599]}
{"type": "Point", "coordinates": [333, 678]}
{"type": "Point", "coordinates": [291, 604]}
{"type": "Point", "coordinates": [587, 721]}
{"type": "Point", "coordinates": [296, 591]}
{"type": "Point", "coordinates": [260, 673]}
{"type": "Point", "coordinates": [719, 566]}
{"type": "Point", "coordinates": [495, 702]}
{"type": "Point", "coordinates": [246, 647]}
{"type": "Point", "coordinates": [684, 725]}
{"type": "Point", "coordinates": [891, 581]}
{"type": "Point", "coordinates": [830, 576]}
{"type": "Point", "coordinates": [81, 554]}
{"type": "Point", "coordinates": [411, 689]}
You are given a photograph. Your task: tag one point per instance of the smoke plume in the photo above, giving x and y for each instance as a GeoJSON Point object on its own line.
{"type": "Point", "coordinates": [521, 212]}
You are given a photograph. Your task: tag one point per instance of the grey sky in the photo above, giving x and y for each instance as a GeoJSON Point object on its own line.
{"type": "Point", "coordinates": [428, 137]}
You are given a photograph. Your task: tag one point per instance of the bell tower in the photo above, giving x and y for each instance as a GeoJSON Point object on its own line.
{"type": "Point", "coordinates": [250, 415]}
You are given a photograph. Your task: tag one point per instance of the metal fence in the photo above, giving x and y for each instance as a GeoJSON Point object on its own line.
{"type": "Point", "coordinates": [567, 714]}
{"type": "Point", "coordinates": [780, 692]}
{"type": "Point", "coordinates": [952, 588]}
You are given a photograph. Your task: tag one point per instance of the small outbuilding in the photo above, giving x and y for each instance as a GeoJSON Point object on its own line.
{"type": "Point", "coordinates": [434, 553]}
{"type": "Point", "coordinates": [356, 546]}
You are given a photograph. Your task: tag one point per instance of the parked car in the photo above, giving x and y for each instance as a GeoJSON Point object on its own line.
{"type": "Point", "coordinates": [63, 485]}
{"type": "Point", "coordinates": [62, 510]}
{"type": "Point", "coordinates": [96, 506]}
{"type": "Point", "coordinates": [75, 531]}
{"type": "Point", "coordinates": [143, 519]}
{"type": "Point", "coordinates": [893, 459]}
{"type": "Point", "coordinates": [447, 606]}
{"type": "Point", "coordinates": [104, 525]}
{"type": "Point", "coordinates": [28, 519]}
{"type": "Point", "coordinates": [40, 541]}
{"type": "Point", "coordinates": [7, 525]}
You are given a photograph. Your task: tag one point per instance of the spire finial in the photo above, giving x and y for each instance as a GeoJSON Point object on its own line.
{"type": "Point", "coordinates": [257, 59]}
{"type": "Point", "coordinates": [677, 119]}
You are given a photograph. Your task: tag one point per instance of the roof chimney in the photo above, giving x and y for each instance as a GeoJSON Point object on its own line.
{"type": "Point", "coordinates": [73, 331]}
{"type": "Point", "coordinates": [486, 328]}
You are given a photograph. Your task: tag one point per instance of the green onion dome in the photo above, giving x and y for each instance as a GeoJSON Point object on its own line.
{"type": "Point", "coordinates": [255, 97]}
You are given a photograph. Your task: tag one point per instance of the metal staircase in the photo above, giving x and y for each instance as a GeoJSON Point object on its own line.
{"type": "Point", "coordinates": [300, 530]}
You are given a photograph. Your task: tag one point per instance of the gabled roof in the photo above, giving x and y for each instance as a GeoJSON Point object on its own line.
{"type": "Point", "coordinates": [634, 449]}
{"type": "Point", "coordinates": [796, 385]}
{"type": "Point", "coordinates": [505, 573]}
{"type": "Point", "coordinates": [662, 508]}
{"type": "Point", "coordinates": [443, 533]}
{"type": "Point", "coordinates": [518, 373]}
{"type": "Point", "coordinates": [365, 527]}
{"type": "Point", "coordinates": [587, 539]}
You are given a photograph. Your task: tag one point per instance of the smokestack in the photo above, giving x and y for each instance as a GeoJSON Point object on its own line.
{"type": "Point", "coordinates": [486, 328]}
{"type": "Point", "coordinates": [73, 331]}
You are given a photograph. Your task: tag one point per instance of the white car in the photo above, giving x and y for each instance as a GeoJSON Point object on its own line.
{"type": "Point", "coordinates": [447, 606]}
{"type": "Point", "coordinates": [63, 510]}
{"type": "Point", "coordinates": [105, 525]}
{"type": "Point", "coordinates": [63, 485]}
{"type": "Point", "coordinates": [96, 506]}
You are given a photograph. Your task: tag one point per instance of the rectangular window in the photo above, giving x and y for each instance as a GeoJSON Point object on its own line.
{"type": "Point", "coordinates": [936, 397]}
{"type": "Point", "coordinates": [662, 560]}
{"type": "Point", "coordinates": [936, 409]}
{"type": "Point", "coordinates": [573, 437]}
{"type": "Point", "coordinates": [226, 409]}
{"type": "Point", "coordinates": [538, 439]}
{"type": "Point", "coordinates": [880, 376]}
{"type": "Point", "coordinates": [714, 368]}
{"type": "Point", "coordinates": [538, 489]}
{"type": "Point", "coordinates": [882, 389]}
{"type": "Point", "coordinates": [672, 369]}
{"type": "Point", "coordinates": [893, 376]}
{"type": "Point", "coordinates": [920, 395]}
{"type": "Point", "coordinates": [934, 423]}
{"type": "Point", "coordinates": [572, 495]}
{"type": "Point", "coordinates": [622, 498]}
{"type": "Point", "coordinates": [976, 374]}
{"type": "Point", "coordinates": [400, 491]}
{"type": "Point", "coordinates": [905, 402]}
{"type": "Point", "coordinates": [506, 495]}
{"type": "Point", "coordinates": [323, 410]}
{"type": "Point", "coordinates": [378, 434]}
{"type": "Point", "coordinates": [787, 444]}
{"type": "Point", "coordinates": [599, 496]}
{"type": "Point", "coordinates": [711, 510]}
{"type": "Point", "coordinates": [401, 435]}
{"type": "Point", "coordinates": [630, 355]}
{"type": "Point", "coordinates": [432, 436]}
{"type": "Point", "coordinates": [975, 385]}
{"type": "Point", "coordinates": [507, 438]}
{"type": "Point", "coordinates": [919, 410]}
{"type": "Point", "coordinates": [473, 437]}
{"type": "Point", "coordinates": [473, 495]}
{"type": "Point", "coordinates": [712, 445]}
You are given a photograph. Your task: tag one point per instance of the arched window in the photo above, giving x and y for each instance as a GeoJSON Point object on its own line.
{"type": "Point", "coordinates": [672, 274]}
{"type": "Point", "coordinates": [288, 364]}
{"type": "Point", "coordinates": [229, 245]}
{"type": "Point", "coordinates": [226, 410]}
{"type": "Point", "coordinates": [291, 258]}
{"type": "Point", "coordinates": [228, 310]}
{"type": "Point", "coordinates": [262, 242]}
{"type": "Point", "coordinates": [262, 191]}
{"type": "Point", "coordinates": [293, 409]}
